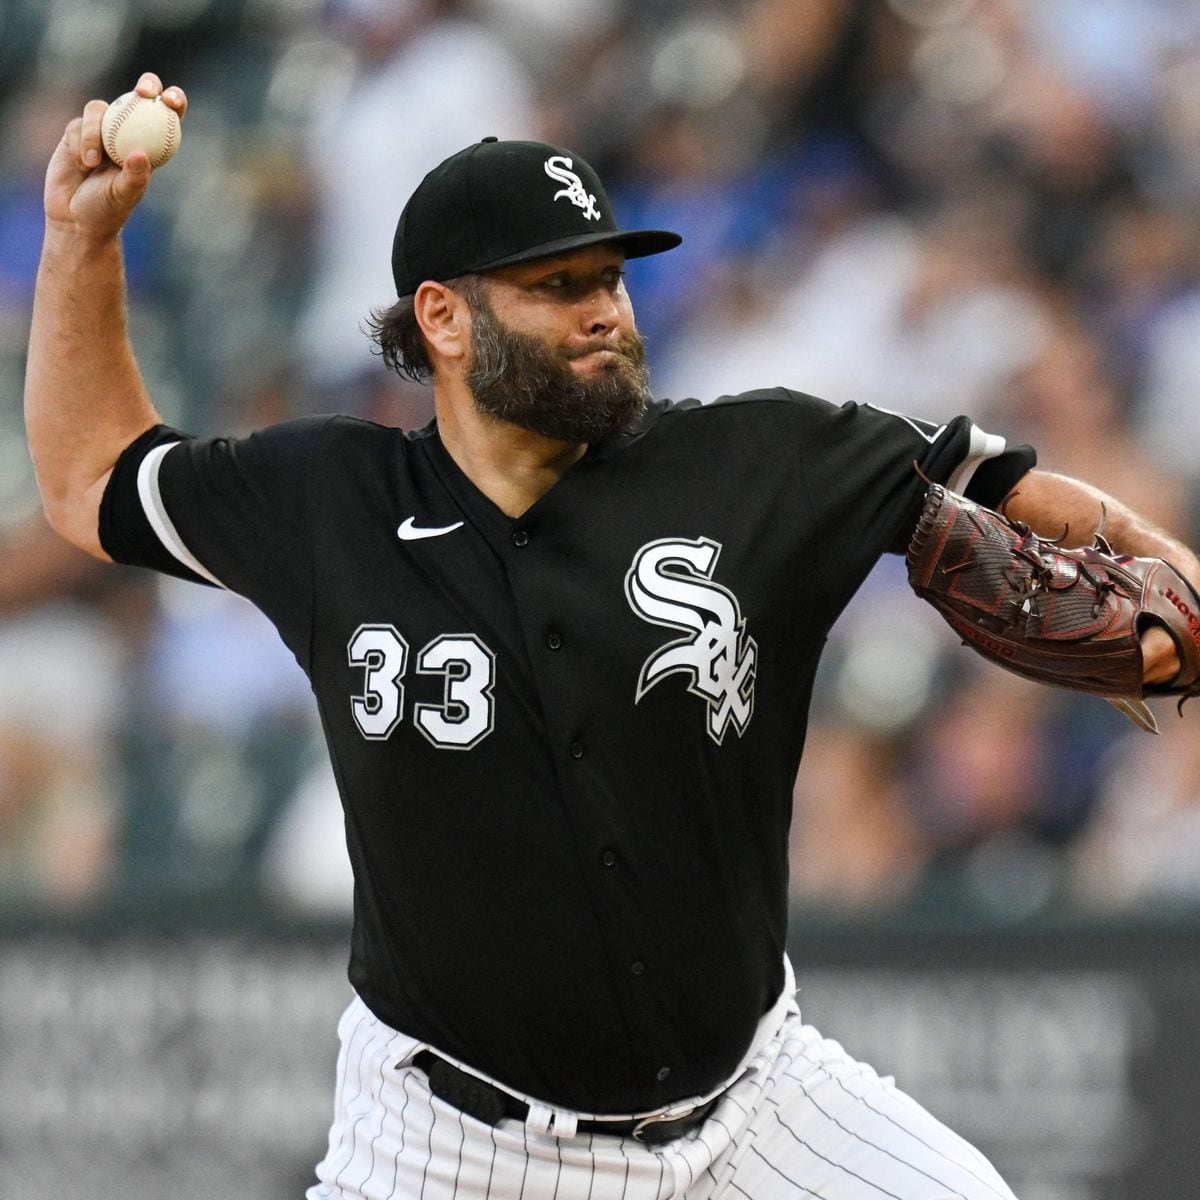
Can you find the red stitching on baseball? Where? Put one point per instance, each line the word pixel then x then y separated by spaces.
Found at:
pixel 169 140
pixel 111 144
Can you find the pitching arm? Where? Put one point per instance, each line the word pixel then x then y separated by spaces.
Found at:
pixel 84 396
pixel 1047 502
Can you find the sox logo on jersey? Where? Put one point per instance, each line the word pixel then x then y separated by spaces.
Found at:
pixel 671 583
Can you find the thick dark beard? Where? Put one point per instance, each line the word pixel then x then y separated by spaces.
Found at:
pixel 515 377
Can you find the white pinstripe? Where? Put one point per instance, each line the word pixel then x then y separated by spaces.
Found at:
pixel 804 1122
pixel 982 1168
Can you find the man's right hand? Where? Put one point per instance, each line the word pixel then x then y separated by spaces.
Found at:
pixel 86 192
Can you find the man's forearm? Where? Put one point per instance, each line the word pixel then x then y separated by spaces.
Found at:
pixel 1056 506
pixel 84 396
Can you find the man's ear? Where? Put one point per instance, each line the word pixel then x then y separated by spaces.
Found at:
pixel 444 318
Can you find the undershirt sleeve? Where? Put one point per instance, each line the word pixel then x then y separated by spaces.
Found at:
pixel 996 477
pixel 974 463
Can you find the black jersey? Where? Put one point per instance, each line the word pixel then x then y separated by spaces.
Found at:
pixel 565 743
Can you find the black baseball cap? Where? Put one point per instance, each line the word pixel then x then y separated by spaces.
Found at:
pixel 496 203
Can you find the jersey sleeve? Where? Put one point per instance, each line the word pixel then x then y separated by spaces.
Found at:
pixel 867 469
pixel 229 512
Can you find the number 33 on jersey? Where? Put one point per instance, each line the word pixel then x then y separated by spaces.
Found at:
pixel 669 583
pixel 463 718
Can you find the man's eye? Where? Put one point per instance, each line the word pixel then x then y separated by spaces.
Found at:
pixel 555 281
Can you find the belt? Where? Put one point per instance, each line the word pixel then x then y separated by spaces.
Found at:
pixel 491 1104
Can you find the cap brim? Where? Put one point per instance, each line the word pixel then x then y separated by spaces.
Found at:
pixel 637 243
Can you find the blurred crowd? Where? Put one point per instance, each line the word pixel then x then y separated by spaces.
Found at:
pixel 935 206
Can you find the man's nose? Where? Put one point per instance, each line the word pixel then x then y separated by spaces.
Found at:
pixel 601 312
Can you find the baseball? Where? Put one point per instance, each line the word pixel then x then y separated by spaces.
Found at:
pixel 132 122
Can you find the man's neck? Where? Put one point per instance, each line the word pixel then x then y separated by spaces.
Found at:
pixel 513 467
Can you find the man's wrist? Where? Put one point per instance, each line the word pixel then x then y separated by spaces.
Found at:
pixel 68 238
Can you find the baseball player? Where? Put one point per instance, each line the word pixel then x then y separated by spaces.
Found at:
pixel 563 641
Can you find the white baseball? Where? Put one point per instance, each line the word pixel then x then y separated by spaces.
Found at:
pixel 132 122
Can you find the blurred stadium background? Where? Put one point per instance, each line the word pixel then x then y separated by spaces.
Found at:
pixel 939 206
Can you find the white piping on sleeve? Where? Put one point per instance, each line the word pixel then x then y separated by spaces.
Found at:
pixel 983 446
pixel 156 512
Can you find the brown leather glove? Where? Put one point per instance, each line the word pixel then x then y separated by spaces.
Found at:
pixel 1068 617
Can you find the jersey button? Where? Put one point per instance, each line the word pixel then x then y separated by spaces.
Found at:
pixel 663 1072
pixel 608 858
pixel 576 749
pixel 554 641
pixel 637 967
pixel 520 537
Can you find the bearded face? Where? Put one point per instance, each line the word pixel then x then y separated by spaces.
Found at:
pixel 516 377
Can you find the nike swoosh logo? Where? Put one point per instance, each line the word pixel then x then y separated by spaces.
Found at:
pixel 408 532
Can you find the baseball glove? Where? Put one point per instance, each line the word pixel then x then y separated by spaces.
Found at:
pixel 1068 617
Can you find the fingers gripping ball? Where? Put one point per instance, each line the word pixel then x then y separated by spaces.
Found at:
pixel 132 122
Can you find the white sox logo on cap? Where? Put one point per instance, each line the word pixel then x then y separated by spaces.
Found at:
pixel 559 167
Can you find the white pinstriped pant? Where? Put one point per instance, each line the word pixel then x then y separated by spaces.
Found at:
pixel 803 1122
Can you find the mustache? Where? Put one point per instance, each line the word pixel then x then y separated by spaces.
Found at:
pixel 626 347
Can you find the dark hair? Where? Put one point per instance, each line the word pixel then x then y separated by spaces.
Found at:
pixel 398 337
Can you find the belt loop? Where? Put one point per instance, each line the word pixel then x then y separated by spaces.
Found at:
pixel 538 1118
pixel 565 1124
pixel 554 1121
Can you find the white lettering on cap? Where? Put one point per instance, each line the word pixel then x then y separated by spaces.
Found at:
pixel 559 167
